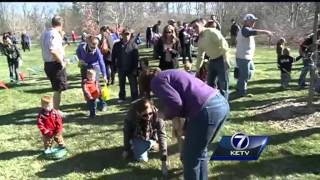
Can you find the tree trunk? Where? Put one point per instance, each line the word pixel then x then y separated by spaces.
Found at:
pixel 315 49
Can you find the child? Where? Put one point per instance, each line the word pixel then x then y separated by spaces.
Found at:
pixel 91 91
pixel 285 63
pixel 13 55
pixel 280 47
pixel 50 124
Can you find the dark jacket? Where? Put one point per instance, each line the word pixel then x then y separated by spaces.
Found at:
pixel 174 63
pixel 12 52
pixel 125 56
pixel 134 128
pixel 156 29
pixel 184 37
pixel 234 29
pixel 285 63
pixel 149 33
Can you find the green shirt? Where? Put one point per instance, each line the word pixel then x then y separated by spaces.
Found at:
pixel 212 42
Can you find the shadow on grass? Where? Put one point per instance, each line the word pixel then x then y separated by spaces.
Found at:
pixel 14 154
pixel 285 137
pixel 29 116
pixel 97 161
pixel 282 166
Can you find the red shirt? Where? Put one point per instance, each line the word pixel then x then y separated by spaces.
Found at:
pixel 91 89
pixel 50 122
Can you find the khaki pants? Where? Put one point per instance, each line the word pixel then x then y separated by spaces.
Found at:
pixel 47 141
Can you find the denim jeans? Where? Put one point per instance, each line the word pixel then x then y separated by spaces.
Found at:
pixel 133 82
pixel 246 70
pixel 304 72
pixel 83 70
pixel 218 74
pixel 200 131
pixel 285 79
pixel 140 148
pixel 92 106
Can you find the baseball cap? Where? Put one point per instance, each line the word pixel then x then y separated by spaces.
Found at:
pixel 171 21
pixel 250 17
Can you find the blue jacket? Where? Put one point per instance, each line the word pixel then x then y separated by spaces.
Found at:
pixel 95 59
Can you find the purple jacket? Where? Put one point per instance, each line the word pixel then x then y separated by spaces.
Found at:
pixel 181 94
pixel 95 59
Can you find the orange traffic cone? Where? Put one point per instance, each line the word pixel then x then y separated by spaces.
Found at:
pixel 3 85
pixel 22 76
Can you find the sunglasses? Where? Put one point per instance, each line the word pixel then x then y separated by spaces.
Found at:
pixel 168 32
pixel 147 114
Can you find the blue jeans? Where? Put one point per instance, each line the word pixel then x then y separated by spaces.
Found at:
pixel 83 71
pixel 141 148
pixel 200 131
pixel 304 72
pixel 217 71
pixel 246 70
pixel 92 106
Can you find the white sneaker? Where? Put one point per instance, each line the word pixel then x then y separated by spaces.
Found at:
pixel 120 101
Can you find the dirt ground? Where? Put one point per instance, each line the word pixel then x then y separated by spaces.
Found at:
pixel 290 114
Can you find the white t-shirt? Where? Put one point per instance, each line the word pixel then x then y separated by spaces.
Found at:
pixel 245 43
pixel 51 40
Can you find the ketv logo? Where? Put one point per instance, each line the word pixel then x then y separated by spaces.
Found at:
pixel 240 147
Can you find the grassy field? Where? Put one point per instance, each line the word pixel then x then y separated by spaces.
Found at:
pixel 95 146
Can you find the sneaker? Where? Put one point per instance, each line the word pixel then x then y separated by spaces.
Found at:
pixel 120 101
pixel 104 109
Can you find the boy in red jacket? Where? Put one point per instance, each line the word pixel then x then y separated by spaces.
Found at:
pixel 50 123
pixel 91 91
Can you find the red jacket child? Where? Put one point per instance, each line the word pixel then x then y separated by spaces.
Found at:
pixel 91 89
pixel 50 122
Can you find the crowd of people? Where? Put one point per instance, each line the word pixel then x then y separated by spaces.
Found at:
pixel 197 101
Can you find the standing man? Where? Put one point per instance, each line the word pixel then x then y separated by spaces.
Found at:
pixel 212 42
pixel 185 41
pixel 156 28
pixel 233 32
pixel 244 52
pixel 125 55
pixel 54 60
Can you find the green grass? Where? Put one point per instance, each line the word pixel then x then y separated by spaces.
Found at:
pixel 95 146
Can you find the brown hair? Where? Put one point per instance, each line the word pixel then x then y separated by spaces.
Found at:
pixel 56 21
pixel 145 80
pixel 142 104
pixel 173 36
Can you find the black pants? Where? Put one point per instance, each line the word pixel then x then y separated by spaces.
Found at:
pixel 186 52
pixel 13 65
pixel 133 82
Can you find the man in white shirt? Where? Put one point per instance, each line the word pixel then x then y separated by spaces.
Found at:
pixel 54 60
